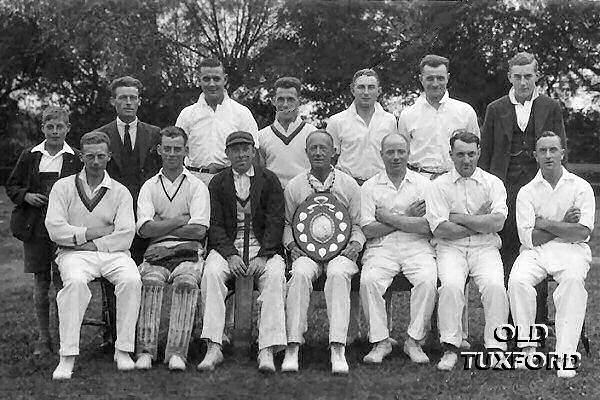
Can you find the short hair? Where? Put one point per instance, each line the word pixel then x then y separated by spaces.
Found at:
pixel 55 112
pixel 365 72
pixel 550 134
pixel 288 82
pixel 128 81
pixel 211 63
pixel 173 132
pixel 389 135
pixel 523 58
pixel 433 60
pixel 320 131
pixel 94 137
pixel 464 136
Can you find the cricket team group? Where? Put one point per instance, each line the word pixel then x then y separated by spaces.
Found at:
pixel 210 199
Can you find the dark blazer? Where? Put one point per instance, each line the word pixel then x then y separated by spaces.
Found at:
pixel 268 211
pixel 25 178
pixel 497 131
pixel 146 140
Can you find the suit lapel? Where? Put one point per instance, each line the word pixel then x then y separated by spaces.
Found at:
pixel 256 186
pixel 507 119
pixel 540 113
pixel 115 144
pixel 142 142
pixel 229 192
pixel 68 166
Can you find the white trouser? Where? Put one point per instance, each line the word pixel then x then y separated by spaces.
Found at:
pixel 77 269
pixel 570 296
pixel 271 285
pixel 484 265
pixel 377 275
pixel 339 273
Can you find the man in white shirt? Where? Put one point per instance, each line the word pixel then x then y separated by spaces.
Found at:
pixel 90 218
pixel 392 219
pixel 210 120
pixel 321 177
pixel 429 122
pixel 358 130
pixel 466 207
pixel 555 217
pixel 282 143
pixel 174 213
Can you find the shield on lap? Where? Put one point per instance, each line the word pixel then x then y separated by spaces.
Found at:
pixel 321 226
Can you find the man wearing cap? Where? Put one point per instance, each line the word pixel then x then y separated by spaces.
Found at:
pixel 244 238
pixel 210 120
pixel 358 130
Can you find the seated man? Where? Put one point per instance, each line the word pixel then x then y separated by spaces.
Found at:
pixel 321 177
pixel 555 217
pixel 174 212
pixel 466 207
pixel 392 219
pixel 90 218
pixel 246 226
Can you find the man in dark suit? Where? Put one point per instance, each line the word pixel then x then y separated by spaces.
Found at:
pixel 511 127
pixel 244 238
pixel 134 158
pixel 132 144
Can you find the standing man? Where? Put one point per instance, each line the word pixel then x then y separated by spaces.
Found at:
pixel 512 125
pixel 210 120
pixel 429 122
pixel 321 177
pixel 358 130
pixel 392 219
pixel 282 143
pixel 132 146
pixel 246 227
pixel 90 218
pixel 174 212
pixel 465 209
pixel 555 217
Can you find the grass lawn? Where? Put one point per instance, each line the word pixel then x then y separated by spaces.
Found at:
pixel 23 376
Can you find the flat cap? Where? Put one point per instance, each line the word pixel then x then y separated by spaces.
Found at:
pixel 239 137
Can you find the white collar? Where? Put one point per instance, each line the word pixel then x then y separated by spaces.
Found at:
pixel 423 98
pixel 384 178
pixel 248 173
pixel 513 99
pixel 477 175
pixel 566 175
pixel 377 106
pixel 42 149
pixel 202 99
pixel 106 180
pixel 132 123
pixel 295 123
pixel 184 172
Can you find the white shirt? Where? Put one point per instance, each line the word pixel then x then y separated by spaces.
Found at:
pixel 452 193
pixel 242 182
pixel 539 199
pixel 106 182
pixel 286 161
pixel 132 130
pixel 429 130
pixel 189 195
pixel 379 191
pixel 523 111
pixel 359 144
pixel 49 163
pixel 207 129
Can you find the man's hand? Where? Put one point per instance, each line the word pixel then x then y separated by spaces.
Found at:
pixel 257 265
pixel 296 253
pixel 486 208
pixel 35 199
pixel 416 209
pixel 87 246
pixel 236 265
pixel 98 232
pixel 572 215
pixel 351 251
pixel 384 215
pixel 184 219
pixel 540 223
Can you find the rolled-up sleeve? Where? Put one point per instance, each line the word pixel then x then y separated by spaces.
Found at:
pixel 59 229
pixel 124 223
pixel 525 217
pixel 357 234
pixel 200 206
pixel 145 206
pixel 498 197
pixel 586 203
pixel 438 208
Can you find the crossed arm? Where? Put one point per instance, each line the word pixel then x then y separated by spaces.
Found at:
pixel 412 221
pixel 568 229
pixel 177 226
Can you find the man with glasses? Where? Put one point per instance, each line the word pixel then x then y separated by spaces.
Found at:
pixel 90 218
pixel 210 120
pixel 358 130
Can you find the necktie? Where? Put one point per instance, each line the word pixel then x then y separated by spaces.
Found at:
pixel 127 140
